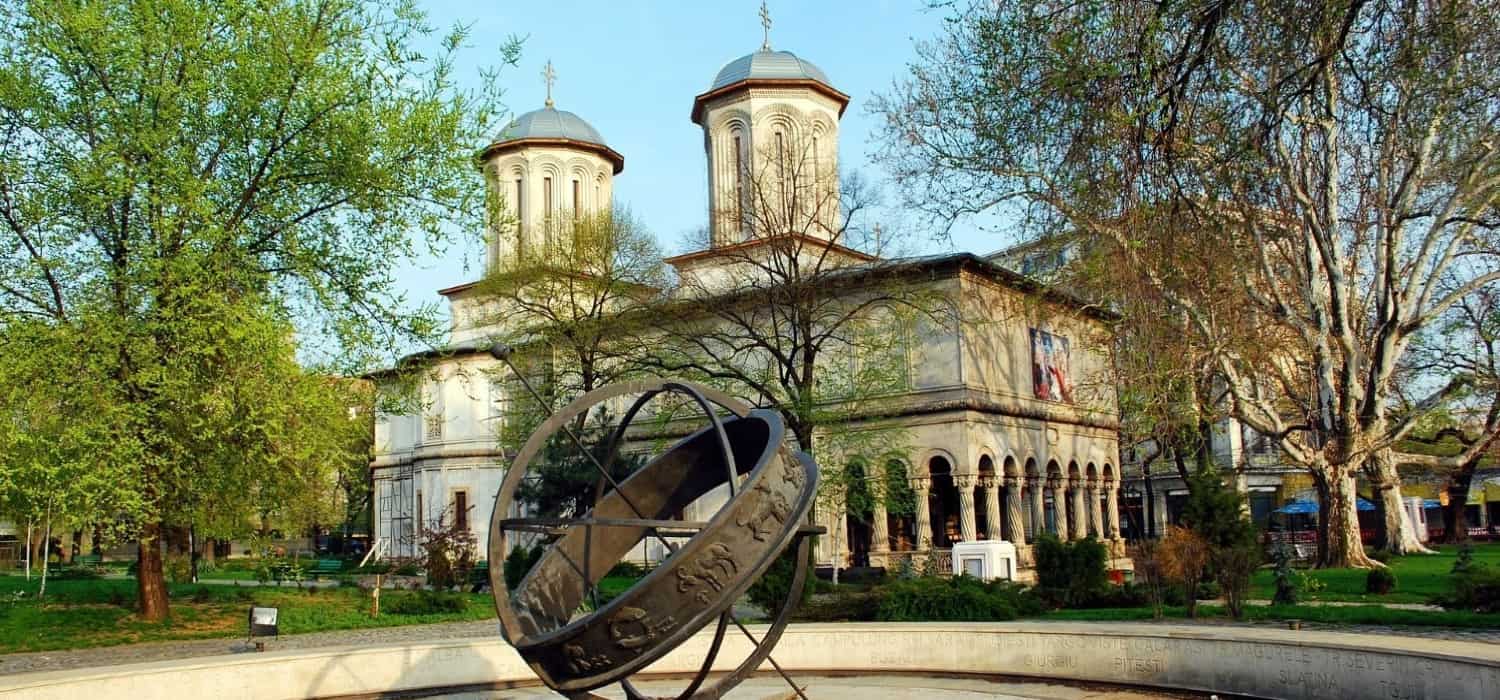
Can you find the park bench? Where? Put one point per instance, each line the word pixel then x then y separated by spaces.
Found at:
pixel 88 561
pixel 479 578
pixel 326 567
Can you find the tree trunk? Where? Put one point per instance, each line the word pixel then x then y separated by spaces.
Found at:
pixel 47 542
pixel 151 585
pixel 1400 533
pixel 1343 549
pixel 28 550
pixel 77 548
pixel 1456 514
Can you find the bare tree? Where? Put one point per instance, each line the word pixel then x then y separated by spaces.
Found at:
pixel 1344 154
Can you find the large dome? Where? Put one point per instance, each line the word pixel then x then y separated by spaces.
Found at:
pixel 768 65
pixel 550 123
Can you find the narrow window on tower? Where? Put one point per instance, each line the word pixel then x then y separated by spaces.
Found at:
pixel 576 202
pixel 739 186
pixel 520 237
pixel 547 206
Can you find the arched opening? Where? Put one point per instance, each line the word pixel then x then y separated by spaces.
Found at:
pixel 901 522
pixel 1031 491
pixel 859 511
pixel 982 525
pixel 942 503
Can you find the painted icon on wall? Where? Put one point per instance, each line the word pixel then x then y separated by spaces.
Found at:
pixel 1050 377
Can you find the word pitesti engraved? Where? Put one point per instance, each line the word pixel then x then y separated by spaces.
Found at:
pixel 633 628
pixel 773 507
pixel 580 662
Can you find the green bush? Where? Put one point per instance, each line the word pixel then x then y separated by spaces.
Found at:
pixel 1380 555
pixel 773 588
pixel 1464 562
pixel 1380 581
pixel 519 562
pixel 843 606
pixel 75 573
pixel 425 603
pixel 1070 574
pixel 931 599
pixel 627 569
pixel 1477 590
pixel 407 569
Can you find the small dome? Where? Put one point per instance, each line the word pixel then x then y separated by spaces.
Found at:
pixel 550 123
pixel 768 65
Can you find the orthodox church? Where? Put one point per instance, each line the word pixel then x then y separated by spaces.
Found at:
pixel 1009 439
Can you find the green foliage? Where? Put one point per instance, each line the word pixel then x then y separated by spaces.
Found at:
pixel 1476 590
pixel 423 602
pixel 1216 512
pixel 1286 577
pixel 1464 562
pixel 956 599
pixel 519 562
pixel 1380 581
pixel 183 179
pixel 1070 574
pixel 775 586
pixel 179 568
pixel 1380 555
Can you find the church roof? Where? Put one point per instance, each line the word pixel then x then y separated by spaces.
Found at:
pixel 550 126
pixel 550 123
pixel 768 65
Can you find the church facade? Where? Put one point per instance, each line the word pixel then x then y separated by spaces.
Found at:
pixel 1009 431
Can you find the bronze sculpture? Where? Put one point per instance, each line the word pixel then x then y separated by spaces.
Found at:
pixel 575 648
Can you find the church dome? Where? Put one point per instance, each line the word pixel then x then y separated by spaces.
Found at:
pixel 768 65
pixel 550 123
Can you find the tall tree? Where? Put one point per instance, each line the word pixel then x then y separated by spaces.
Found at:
pixel 166 165
pixel 1344 153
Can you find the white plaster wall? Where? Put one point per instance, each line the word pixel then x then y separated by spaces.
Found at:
pixel 533 165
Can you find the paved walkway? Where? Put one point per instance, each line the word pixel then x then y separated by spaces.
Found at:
pixel 162 651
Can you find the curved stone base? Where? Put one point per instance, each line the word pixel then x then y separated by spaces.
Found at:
pixel 1265 663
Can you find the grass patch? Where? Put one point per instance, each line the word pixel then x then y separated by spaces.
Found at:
pixel 80 614
pixel 1343 615
pixel 1419 577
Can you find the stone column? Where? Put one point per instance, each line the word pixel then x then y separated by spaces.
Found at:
pixel 1159 509
pixel 1080 518
pixel 1016 530
pixel 967 530
pixel 880 536
pixel 1096 513
pixel 1060 509
pixel 1112 510
pixel 1038 506
pixel 919 486
pixel 992 519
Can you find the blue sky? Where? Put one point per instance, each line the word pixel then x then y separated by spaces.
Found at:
pixel 632 69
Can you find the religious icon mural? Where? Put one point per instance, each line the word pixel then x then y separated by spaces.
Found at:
pixel 1050 375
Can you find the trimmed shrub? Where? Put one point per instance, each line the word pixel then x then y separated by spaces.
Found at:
pixel 842 606
pixel 1477 589
pixel 1380 581
pixel 1070 574
pixel 773 588
pixel 425 603
pixel 959 599
pixel 519 562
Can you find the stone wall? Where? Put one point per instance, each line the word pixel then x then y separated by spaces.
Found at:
pixel 1266 663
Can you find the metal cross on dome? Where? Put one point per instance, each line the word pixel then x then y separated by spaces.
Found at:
pixel 765 23
pixel 549 76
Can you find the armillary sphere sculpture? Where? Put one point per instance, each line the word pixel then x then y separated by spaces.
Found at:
pixel 574 648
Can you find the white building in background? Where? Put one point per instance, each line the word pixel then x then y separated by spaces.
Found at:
pixel 1008 438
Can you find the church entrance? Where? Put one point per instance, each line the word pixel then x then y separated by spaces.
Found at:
pixel 943 504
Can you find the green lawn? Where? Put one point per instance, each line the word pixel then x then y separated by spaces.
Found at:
pixel 93 613
pixel 1418 578
pixel 1347 615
